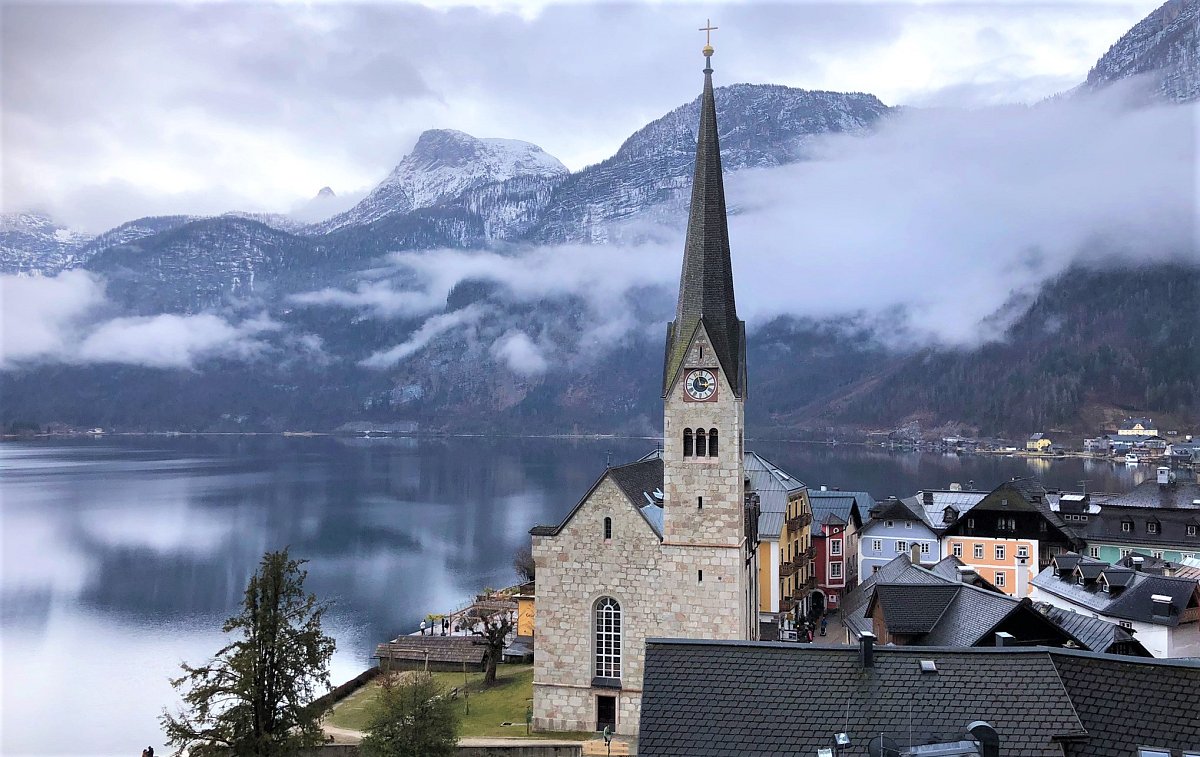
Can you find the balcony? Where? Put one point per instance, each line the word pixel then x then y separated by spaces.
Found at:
pixel 811 552
pixel 797 522
pixel 788 569
pixel 787 605
pixel 807 585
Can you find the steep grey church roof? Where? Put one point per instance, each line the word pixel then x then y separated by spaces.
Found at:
pixel 706 281
pixel 705 698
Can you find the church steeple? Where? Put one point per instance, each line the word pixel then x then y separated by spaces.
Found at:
pixel 706 281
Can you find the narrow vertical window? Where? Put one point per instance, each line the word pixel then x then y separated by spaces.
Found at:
pixel 701 450
pixel 608 638
pixel 699 503
pixel 687 442
pixel 608 528
pixel 700 575
pixel 712 442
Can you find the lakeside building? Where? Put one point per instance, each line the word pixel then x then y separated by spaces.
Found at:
pixel 894 527
pixel 1038 443
pixel 622 567
pixel 1137 427
pixel 1158 518
pixel 1163 611
pixel 711 698
pixel 836 523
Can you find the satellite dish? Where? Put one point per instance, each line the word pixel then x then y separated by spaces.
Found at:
pixel 882 746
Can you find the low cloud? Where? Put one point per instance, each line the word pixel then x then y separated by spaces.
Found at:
pixel 516 350
pixel 432 328
pixel 66 319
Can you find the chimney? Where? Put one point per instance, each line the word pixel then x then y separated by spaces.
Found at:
pixel 966 574
pixel 824 488
pixel 915 554
pixel 1137 561
pixel 989 740
pixel 1022 587
pixel 1004 639
pixel 955 486
pixel 866 648
pixel 1169 570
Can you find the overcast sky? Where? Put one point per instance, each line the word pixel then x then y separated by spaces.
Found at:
pixel 113 111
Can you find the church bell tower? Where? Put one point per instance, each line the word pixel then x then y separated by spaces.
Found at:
pixel 704 391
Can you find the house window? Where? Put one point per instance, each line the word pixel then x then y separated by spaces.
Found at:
pixel 835 546
pixel 701 447
pixel 957 549
pixel 970 523
pixel 901 546
pixel 908 524
pixel 1191 530
pixel 1023 551
pixel 712 442
pixel 1127 625
pixel 1000 579
pixel 607 529
pixel 700 576
pixel 1151 527
pixel 687 442
pixel 1143 751
pixel 1126 552
pixel 874 569
pixel 1158 555
pixel 999 551
pixel 835 570
pixel 1093 551
pixel 699 503
pixel 978 551
pixel 608 638
pixel 1126 526
pixel 890 523
pixel 1041 526
pixel 924 547
pixel 876 545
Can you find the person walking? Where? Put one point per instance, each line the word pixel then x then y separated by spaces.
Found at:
pixel 824 623
pixel 422 628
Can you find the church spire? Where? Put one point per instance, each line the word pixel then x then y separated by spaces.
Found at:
pixel 706 282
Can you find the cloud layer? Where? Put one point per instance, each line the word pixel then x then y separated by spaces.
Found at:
pixel 63 320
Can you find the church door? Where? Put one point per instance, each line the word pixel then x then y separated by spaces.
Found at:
pixel 606 713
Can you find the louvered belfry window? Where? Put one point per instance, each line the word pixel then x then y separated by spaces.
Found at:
pixel 608 638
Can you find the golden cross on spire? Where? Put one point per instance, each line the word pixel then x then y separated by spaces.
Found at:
pixel 708 29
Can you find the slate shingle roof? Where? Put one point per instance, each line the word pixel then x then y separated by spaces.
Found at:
pixel 896 570
pixel 1181 494
pixel 638 480
pixel 752 698
pixel 1131 603
pixel 841 506
pixel 466 649
pixel 912 608
pixel 1097 635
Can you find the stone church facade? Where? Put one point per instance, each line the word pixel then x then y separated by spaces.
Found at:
pixel 665 546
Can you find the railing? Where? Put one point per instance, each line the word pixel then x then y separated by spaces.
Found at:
pixel 811 552
pixel 808 584
pixel 797 522
pixel 787 604
pixel 788 569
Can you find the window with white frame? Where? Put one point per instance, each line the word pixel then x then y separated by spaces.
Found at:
pixel 1126 526
pixel 924 547
pixel 835 570
pixel 1157 554
pixel 876 545
pixel 978 552
pixel 1152 527
pixel 608 638
pixel 957 549
pixel 835 546
pixel 1022 551
pixel 1093 551
pixel 908 524
pixel 1000 579
pixel 1126 552
pixel 1191 530
pixel 901 546
pixel 890 523
pixel 999 551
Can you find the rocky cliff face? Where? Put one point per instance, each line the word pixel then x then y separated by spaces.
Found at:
pixel 33 244
pixel 1164 47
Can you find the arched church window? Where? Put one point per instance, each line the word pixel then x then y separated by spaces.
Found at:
pixel 712 442
pixel 608 528
pixel 608 638
pixel 701 448
pixel 687 442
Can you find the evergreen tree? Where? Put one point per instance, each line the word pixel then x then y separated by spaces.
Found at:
pixel 253 697
pixel 411 717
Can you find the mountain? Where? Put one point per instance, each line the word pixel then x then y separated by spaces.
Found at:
pixel 442 165
pixel 33 244
pixel 1164 47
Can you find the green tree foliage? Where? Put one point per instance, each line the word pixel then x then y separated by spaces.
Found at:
pixel 412 717
pixel 253 697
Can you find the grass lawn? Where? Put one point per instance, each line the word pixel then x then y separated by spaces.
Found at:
pixel 483 710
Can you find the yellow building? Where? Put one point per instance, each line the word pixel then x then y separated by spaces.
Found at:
pixel 775 490
pixel 525 609
pixel 1037 443
pixel 797 576
pixel 1137 427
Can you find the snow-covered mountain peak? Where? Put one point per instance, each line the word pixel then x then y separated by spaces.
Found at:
pixel 443 165
pixel 34 243
pixel 1164 46
pixel 325 192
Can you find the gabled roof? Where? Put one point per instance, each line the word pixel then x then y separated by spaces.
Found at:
pixel 1179 495
pixel 771 483
pixel 638 481
pixel 897 570
pixel 709 698
pixel 1097 634
pixel 933 503
pixel 896 509
pixel 912 608
pixel 839 507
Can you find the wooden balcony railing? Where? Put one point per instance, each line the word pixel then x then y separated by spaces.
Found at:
pixel 787 604
pixel 797 522
pixel 788 569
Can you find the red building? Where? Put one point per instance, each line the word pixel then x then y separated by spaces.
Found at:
pixel 836 524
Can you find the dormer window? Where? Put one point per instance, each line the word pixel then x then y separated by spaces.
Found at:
pixel 1126 526
pixel 890 523
pixel 1152 527
pixel 1191 530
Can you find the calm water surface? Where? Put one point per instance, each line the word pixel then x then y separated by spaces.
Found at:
pixel 122 556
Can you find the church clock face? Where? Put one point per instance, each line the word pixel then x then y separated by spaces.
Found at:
pixel 701 385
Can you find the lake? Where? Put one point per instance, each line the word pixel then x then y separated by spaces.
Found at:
pixel 123 555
